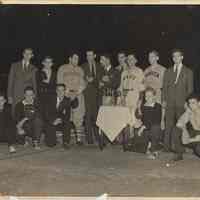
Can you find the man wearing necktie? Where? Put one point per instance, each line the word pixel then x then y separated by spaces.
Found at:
pixel 21 75
pixel 177 85
pixel 92 74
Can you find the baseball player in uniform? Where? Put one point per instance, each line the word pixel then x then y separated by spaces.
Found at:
pixel 73 77
pixel 132 84
pixel 154 74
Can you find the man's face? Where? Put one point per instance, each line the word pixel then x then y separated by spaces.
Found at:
pixel 48 63
pixel 121 58
pixel 103 61
pixel 60 90
pixel 131 60
pixel 177 57
pixel 29 96
pixel 193 104
pixel 90 56
pixel 28 54
pixel 2 101
pixel 74 60
pixel 153 58
pixel 149 96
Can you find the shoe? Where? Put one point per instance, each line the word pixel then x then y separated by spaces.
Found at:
pixel 12 149
pixel 79 143
pixel 26 143
pixel 151 156
pixel 36 145
pixel 66 146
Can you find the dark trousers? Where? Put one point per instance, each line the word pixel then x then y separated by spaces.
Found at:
pixel 33 128
pixel 50 133
pixel 172 114
pixel 8 133
pixel 154 136
pixel 140 143
pixel 178 147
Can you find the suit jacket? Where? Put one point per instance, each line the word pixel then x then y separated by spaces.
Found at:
pixel 19 79
pixel 63 111
pixel 114 78
pixel 176 94
pixel 91 92
pixel 46 88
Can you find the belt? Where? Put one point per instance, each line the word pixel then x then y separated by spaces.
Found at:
pixel 126 90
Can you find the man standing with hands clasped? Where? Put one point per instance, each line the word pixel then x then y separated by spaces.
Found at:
pixel 177 85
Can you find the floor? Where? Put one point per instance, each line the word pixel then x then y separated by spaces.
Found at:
pixel 88 171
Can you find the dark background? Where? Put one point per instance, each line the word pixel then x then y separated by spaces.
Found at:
pixel 57 29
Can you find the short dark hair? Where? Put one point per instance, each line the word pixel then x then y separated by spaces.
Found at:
pixel 193 96
pixel 29 88
pixel 154 52
pixel 47 57
pixel 121 52
pixel 61 85
pixel 178 50
pixel 150 89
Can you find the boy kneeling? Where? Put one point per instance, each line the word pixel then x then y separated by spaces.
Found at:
pixel 28 118
pixel 187 130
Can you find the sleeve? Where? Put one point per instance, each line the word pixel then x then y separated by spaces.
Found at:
pixel 35 81
pixel 11 79
pixel 158 113
pixel 116 80
pixel 74 103
pixel 19 112
pixel 183 120
pixel 142 85
pixel 164 90
pixel 82 81
pixel 60 75
pixel 190 82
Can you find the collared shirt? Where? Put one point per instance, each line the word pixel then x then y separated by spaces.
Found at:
pixel 179 67
pixel 58 102
pixel 93 67
pixel 108 68
pixel 25 64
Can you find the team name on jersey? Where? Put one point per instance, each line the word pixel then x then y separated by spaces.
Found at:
pixel 129 76
pixel 153 73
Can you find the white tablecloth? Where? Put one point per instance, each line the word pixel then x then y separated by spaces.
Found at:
pixel 112 119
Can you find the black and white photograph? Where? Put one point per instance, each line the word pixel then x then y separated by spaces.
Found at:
pixel 99 101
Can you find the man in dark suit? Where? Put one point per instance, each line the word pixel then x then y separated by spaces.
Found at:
pixel 110 81
pixel 177 85
pixel 93 74
pixel 22 74
pixel 58 116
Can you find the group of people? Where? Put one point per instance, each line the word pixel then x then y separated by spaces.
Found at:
pixel 45 101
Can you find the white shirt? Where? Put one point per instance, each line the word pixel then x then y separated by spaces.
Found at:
pixel 25 64
pixel 178 72
pixel 108 68
pixel 58 102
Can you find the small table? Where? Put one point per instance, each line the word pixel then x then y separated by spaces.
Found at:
pixel 111 120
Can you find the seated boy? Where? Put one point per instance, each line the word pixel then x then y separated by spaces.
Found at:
pixel 187 130
pixel 58 116
pixel 7 126
pixel 28 118
pixel 148 130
